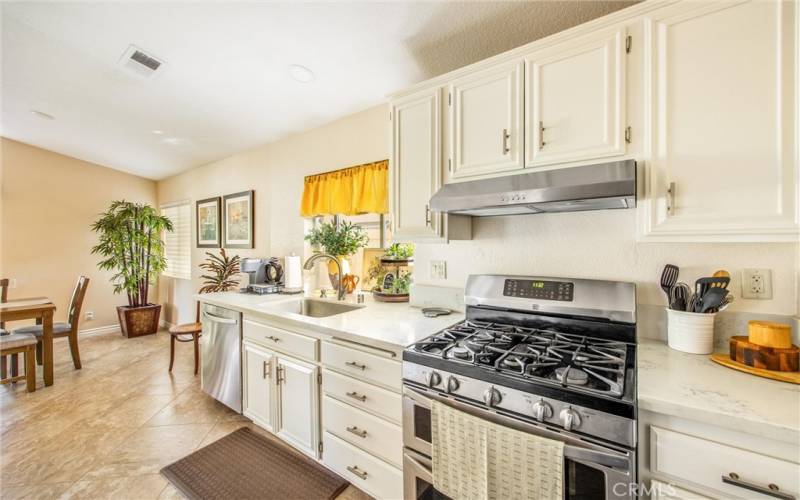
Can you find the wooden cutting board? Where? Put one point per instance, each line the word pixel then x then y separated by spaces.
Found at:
pixel 725 360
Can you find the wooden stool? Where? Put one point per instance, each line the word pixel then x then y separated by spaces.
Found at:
pixel 189 332
pixel 20 343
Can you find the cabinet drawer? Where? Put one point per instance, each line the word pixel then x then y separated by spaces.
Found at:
pixel 366 472
pixel 690 460
pixel 281 340
pixel 363 365
pixel 363 395
pixel 363 430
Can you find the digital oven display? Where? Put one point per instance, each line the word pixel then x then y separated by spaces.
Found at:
pixel 537 289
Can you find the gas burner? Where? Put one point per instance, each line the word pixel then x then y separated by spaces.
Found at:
pixel 461 352
pixel 574 376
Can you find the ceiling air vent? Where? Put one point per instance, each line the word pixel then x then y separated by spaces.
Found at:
pixel 139 63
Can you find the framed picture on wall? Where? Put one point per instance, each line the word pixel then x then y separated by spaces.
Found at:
pixel 238 221
pixel 209 223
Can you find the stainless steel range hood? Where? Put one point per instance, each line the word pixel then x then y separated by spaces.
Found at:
pixel 592 187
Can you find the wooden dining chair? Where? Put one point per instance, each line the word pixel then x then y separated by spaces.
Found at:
pixel 187 332
pixel 68 329
pixel 3 361
pixel 13 345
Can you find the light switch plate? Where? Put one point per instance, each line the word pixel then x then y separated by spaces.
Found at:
pixel 438 269
pixel 757 284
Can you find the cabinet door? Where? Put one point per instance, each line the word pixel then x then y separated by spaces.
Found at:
pixel 574 100
pixel 721 109
pixel 259 396
pixel 486 122
pixel 416 164
pixel 299 404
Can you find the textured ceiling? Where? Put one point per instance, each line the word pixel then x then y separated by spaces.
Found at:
pixel 225 86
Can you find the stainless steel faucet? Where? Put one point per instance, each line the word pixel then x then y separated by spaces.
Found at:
pixel 310 264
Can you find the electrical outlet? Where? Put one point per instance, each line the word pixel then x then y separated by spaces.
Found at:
pixel 757 284
pixel 438 269
pixel 89 315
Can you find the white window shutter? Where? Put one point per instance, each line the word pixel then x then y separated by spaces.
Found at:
pixel 178 244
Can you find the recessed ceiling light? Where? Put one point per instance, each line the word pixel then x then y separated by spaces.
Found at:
pixel 301 73
pixel 42 115
pixel 158 132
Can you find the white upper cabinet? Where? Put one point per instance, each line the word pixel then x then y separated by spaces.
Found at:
pixel 299 403
pixel 486 122
pixel 574 99
pixel 416 164
pixel 721 115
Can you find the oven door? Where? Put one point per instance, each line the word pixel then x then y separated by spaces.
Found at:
pixel 591 470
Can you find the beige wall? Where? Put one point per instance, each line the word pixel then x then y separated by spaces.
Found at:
pixel 275 171
pixel 48 203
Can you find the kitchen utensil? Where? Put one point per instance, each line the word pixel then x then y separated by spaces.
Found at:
pixel 767 358
pixel 721 274
pixel 702 285
pixel 712 299
pixel 725 303
pixel 770 334
pixel 679 296
pixel 669 276
pixel 725 360
pixel 432 312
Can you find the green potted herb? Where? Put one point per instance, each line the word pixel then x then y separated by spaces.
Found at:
pixel 393 276
pixel 130 244
pixel 342 241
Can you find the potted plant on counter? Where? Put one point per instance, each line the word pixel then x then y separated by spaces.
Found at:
pixel 130 244
pixel 392 274
pixel 342 241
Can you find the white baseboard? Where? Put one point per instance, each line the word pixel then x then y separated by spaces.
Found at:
pixel 165 324
pixel 99 330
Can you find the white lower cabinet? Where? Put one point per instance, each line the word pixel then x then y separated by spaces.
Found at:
pixel 725 471
pixel 258 384
pixel 667 491
pixel 363 470
pixel 375 435
pixel 298 397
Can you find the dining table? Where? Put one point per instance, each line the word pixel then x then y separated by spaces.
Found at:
pixel 40 309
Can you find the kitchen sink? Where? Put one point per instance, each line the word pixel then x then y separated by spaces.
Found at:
pixel 314 308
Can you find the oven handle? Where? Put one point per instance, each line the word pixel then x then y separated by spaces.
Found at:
pixel 609 459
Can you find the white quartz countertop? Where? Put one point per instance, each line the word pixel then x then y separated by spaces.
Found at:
pixel 381 324
pixel 692 386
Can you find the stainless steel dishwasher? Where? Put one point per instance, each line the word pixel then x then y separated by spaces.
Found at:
pixel 221 344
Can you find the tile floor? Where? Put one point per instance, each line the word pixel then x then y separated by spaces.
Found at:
pixel 105 431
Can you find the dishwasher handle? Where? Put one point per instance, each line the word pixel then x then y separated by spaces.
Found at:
pixel 218 319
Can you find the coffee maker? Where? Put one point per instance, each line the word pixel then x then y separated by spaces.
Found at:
pixel 265 275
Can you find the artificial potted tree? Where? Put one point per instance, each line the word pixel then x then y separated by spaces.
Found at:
pixel 341 240
pixel 130 244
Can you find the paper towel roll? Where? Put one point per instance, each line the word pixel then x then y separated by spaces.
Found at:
pixel 293 273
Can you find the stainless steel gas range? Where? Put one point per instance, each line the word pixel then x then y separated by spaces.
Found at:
pixel 550 356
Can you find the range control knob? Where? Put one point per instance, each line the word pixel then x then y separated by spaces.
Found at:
pixel 492 397
pixel 434 379
pixel 570 419
pixel 452 384
pixel 542 410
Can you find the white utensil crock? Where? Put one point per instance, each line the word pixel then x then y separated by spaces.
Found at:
pixel 690 332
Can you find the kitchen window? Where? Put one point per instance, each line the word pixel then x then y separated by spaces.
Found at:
pixel 177 244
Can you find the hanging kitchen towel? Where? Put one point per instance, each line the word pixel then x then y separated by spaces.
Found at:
pixel 476 459
pixel 459 453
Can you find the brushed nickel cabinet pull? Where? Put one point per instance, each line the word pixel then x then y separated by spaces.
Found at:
pixel 356 365
pixel 427 215
pixel 273 338
pixel 267 366
pixel 770 490
pixel 506 137
pixel 279 375
pixel 541 135
pixel 357 396
pixel 354 430
pixel 358 472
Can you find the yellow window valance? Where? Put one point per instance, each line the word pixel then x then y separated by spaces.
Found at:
pixel 350 191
